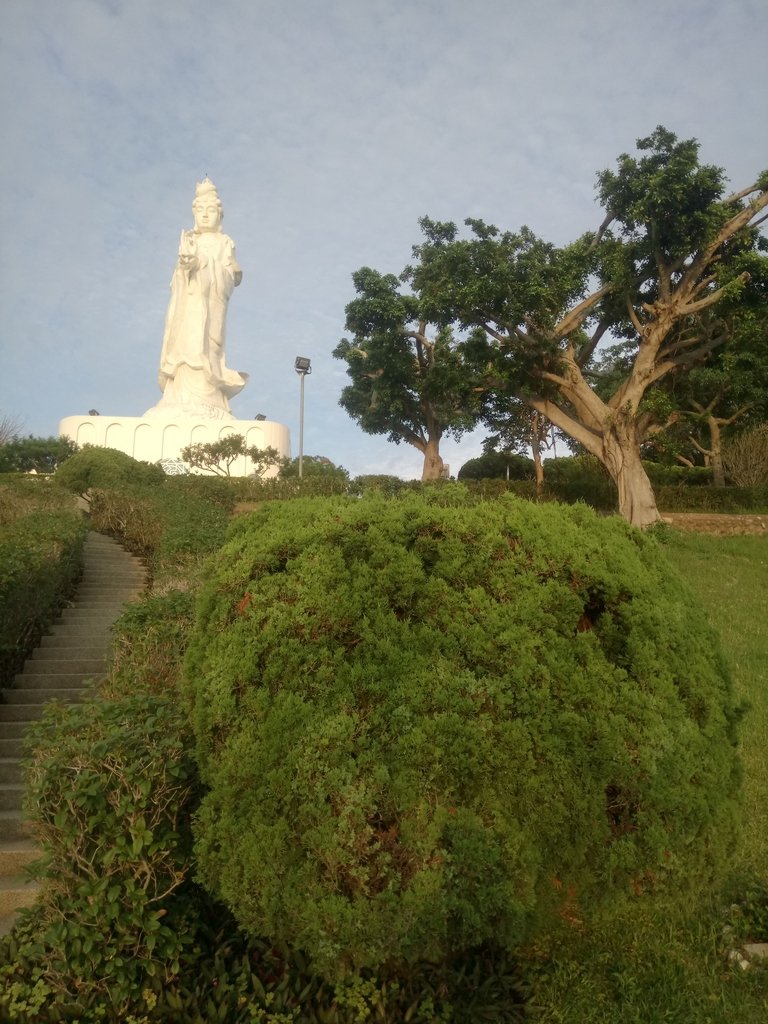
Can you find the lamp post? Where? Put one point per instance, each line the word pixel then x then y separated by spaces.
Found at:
pixel 302 366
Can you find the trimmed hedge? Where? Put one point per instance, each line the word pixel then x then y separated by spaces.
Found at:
pixel 427 724
pixel 104 467
pixel 41 560
pixel 725 500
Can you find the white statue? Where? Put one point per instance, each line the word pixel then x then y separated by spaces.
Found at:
pixel 193 377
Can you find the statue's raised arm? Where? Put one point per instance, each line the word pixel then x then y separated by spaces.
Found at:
pixel 193 376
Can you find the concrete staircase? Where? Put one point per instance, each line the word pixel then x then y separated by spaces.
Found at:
pixel 68 661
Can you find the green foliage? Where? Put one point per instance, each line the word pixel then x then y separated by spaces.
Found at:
pixel 580 478
pixel 109 790
pixel 315 485
pixel 38 454
pixel 723 500
pixel 382 483
pixel 407 382
pixel 313 466
pixel 217 456
pixel 149 642
pixel 174 525
pixel 427 724
pixel 662 475
pixel 525 319
pixel 503 465
pixel 745 457
pixel 105 467
pixel 41 559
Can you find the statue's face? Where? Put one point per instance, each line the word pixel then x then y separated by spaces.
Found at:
pixel 207 214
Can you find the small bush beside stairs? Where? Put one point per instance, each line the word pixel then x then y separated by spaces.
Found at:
pixel 70 657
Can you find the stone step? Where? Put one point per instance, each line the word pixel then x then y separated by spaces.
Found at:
pixel 88 596
pixel 12 826
pixel 10 770
pixel 16 855
pixel 11 747
pixel 71 638
pixel 65 652
pixel 11 795
pixel 101 617
pixel 12 728
pixel 15 893
pixel 35 697
pixel 75 625
pixel 74 663
pixel 45 680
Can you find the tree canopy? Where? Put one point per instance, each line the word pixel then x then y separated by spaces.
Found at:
pixel 526 319
pixel 409 381
pixel 218 456
pixel 34 454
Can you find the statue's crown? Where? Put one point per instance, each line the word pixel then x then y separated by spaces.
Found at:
pixel 205 189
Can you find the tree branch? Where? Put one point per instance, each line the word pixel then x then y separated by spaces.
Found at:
pixel 587 351
pixel 574 318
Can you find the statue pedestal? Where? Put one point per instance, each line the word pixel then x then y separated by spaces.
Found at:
pixel 152 439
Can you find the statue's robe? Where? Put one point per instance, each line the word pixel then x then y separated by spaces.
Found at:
pixel 193 377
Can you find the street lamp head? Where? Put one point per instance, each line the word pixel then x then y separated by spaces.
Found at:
pixel 260 417
pixel 302 365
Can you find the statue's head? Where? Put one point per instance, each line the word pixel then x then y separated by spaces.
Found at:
pixel 207 207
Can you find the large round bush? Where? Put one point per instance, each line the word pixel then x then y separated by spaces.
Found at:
pixel 428 723
pixel 104 467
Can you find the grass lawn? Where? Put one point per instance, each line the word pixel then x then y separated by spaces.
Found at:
pixel 730 575
pixel 647 967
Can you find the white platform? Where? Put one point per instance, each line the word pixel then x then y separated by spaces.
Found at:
pixel 153 439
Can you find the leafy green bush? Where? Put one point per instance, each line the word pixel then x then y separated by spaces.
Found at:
pixel 498 465
pixel 662 475
pixel 104 467
pixel 149 642
pixel 173 527
pixel 110 785
pixel 745 457
pixel 428 724
pixel 725 500
pixel 381 483
pixel 41 560
pixel 581 478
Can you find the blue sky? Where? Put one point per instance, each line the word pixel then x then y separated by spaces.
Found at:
pixel 329 128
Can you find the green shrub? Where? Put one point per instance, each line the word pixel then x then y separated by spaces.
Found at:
pixel 381 483
pixel 41 560
pixel 109 792
pixel 581 478
pixel 173 527
pixel 662 475
pixel 745 457
pixel 104 467
pixel 498 465
pixel 148 644
pixel 723 500
pixel 428 724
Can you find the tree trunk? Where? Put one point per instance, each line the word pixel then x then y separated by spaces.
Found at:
pixel 536 440
pixel 716 451
pixel 538 468
pixel 433 464
pixel 621 457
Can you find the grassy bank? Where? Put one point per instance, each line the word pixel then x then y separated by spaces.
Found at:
pixel 730 575
pixel 651 967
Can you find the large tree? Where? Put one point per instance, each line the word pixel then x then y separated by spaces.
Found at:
pixel 671 246
pixel 408 381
